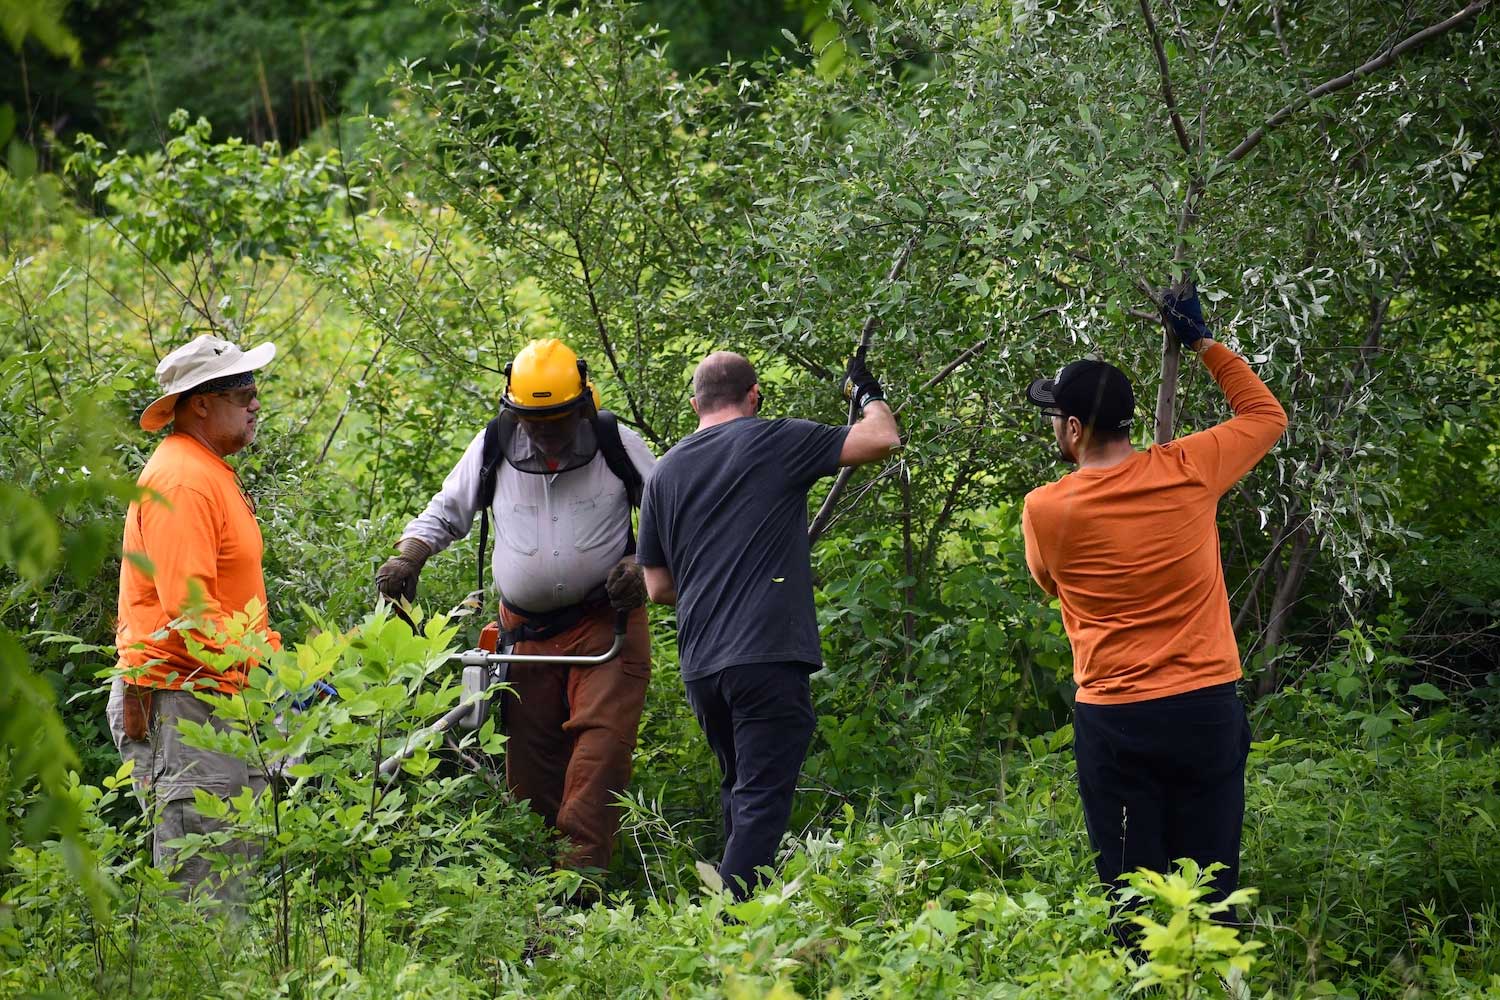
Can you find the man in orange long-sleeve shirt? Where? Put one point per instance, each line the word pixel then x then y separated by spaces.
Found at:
pixel 1129 545
pixel 192 561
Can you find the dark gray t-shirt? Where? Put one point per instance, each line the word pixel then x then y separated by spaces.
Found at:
pixel 726 512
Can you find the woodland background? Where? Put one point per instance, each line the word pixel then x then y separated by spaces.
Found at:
pixel 400 195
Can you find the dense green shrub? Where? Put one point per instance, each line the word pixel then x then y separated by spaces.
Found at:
pixel 582 184
pixel 1375 860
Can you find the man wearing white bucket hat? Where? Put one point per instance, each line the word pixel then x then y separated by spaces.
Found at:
pixel 192 560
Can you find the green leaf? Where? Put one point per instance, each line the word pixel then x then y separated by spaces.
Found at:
pixel 1427 692
pixel 29 539
pixel 21 159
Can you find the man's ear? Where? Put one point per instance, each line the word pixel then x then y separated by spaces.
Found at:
pixel 694 401
pixel 188 405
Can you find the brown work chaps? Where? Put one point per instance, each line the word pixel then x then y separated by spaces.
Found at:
pixel 572 730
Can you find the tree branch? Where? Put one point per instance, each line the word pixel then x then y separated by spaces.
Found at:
pixel 1353 76
pixel 1166 395
pixel 948 369
pixel 609 347
pixel 1166 79
pixel 825 512
pixel 961 478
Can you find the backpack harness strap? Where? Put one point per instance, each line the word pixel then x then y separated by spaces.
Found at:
pixel 498 434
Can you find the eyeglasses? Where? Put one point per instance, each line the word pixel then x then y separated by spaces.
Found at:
pixel 239 397
pixel 1052 411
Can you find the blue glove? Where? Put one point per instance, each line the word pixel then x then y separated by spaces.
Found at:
pixel 319 690
pixel 1184 315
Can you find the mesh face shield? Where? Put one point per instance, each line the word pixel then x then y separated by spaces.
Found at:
pixel 546 447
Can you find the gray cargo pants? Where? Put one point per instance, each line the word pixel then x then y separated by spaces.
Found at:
pixel 168 772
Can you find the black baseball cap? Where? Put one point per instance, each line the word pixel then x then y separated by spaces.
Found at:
pixel 1095 392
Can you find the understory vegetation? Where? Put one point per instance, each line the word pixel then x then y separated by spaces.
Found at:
pixel 1002 188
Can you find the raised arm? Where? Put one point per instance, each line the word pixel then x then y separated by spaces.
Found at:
pixel 875 436
pixel 1222 455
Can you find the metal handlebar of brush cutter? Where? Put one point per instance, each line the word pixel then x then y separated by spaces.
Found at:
pixel 482 671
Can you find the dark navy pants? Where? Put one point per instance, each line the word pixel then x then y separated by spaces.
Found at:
pixel 759 721
pixel 1164 779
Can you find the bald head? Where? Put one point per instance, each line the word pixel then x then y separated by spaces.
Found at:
pixel 722 380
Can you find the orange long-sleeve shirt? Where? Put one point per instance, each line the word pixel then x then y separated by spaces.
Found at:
pixel 1132 551
pixel 198 526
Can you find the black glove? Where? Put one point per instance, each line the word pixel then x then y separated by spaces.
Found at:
pixel 626 585
pixel 1184 314
pixel 859 384
pixel 397 577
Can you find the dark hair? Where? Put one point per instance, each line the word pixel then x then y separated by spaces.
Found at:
pixel 1099 435
pixel 224 383
pixel 722 379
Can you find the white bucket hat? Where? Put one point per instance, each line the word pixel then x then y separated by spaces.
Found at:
pixel 201 360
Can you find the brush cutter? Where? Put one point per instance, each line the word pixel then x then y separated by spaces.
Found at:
pixel 483 668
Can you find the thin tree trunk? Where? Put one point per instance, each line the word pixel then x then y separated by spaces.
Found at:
pixel 866 334
pixel 909 590
pixel 1289 584
pixel 1287 593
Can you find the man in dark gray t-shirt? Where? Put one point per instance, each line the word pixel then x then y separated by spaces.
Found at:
pixel 723 535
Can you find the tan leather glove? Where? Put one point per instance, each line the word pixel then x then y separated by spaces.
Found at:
pixel 626 585
pixel 397 578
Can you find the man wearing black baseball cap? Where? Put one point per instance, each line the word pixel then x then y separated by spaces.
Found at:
pixel 1128 543
pixel 1099 399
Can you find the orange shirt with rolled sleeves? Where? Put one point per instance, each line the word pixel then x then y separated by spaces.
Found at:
pixel 196 531
pixel 1131 551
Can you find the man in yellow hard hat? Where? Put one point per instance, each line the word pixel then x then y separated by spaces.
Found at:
pixel 559 476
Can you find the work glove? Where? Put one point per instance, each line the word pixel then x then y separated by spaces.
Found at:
pixel 1184 314
pixel 303 700
pixel 296 704
pixel 626 585
pixel 859 384
pixel 397 578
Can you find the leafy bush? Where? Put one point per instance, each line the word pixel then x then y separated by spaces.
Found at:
pixel 580 184
pixel 430 887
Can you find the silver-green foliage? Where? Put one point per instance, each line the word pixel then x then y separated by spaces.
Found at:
pixel 1025 154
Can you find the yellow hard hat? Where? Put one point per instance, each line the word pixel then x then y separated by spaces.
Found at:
pixel 547 378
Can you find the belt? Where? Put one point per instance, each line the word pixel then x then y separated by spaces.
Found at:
pixel 539 626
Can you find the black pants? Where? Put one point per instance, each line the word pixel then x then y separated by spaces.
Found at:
pixel 1164 779
pixel 759 720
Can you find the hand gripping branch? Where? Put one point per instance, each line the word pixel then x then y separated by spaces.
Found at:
pixel 866 334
